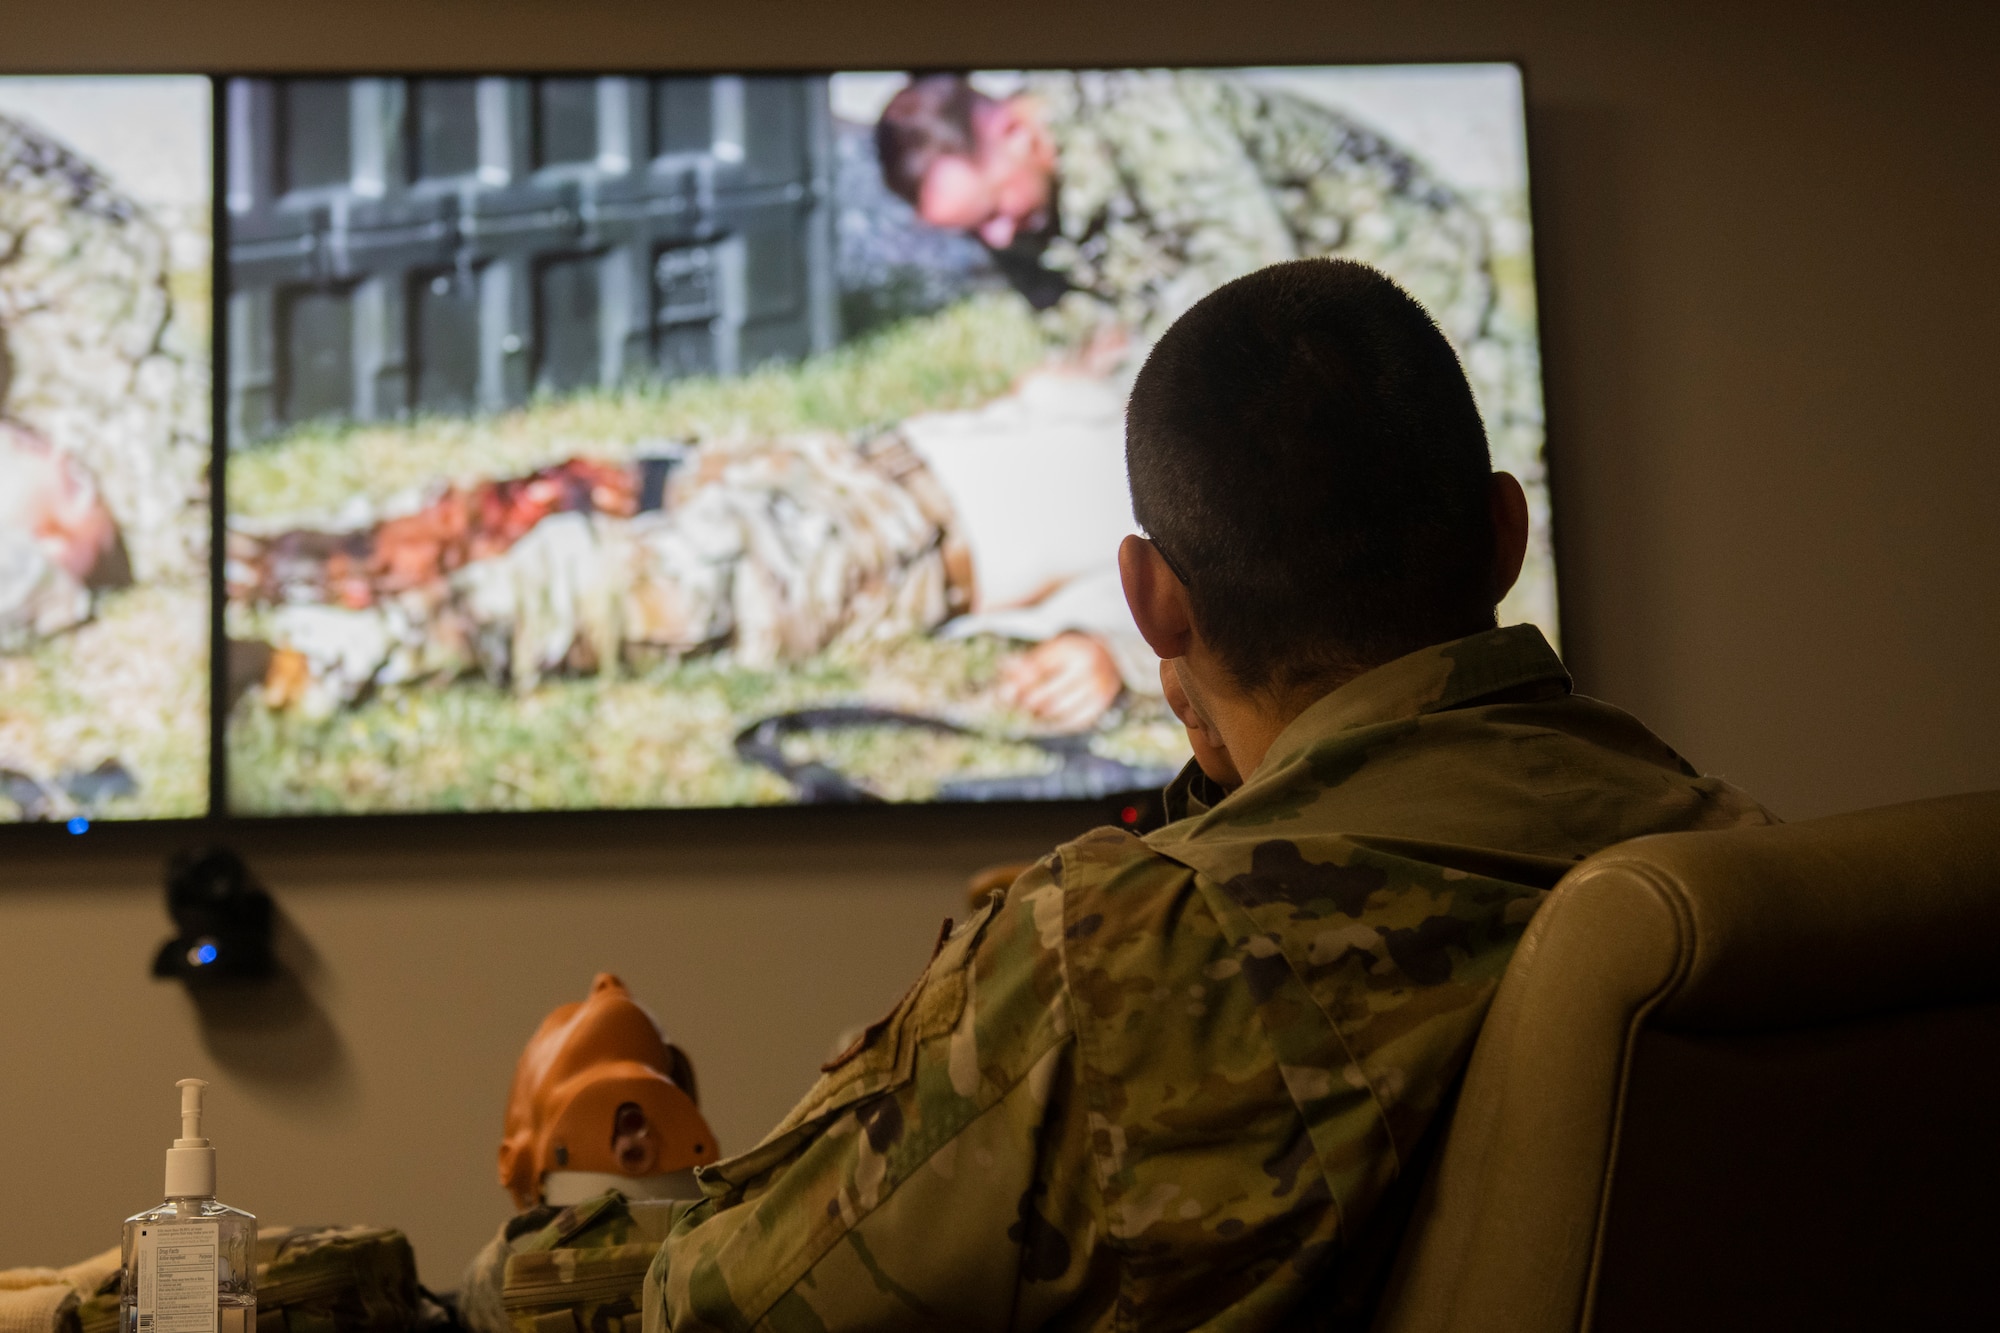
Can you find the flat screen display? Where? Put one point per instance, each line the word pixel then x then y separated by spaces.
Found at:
pixel 105 257
pixel 715 440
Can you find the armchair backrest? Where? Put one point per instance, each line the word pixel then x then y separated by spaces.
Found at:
pixel 1742 1079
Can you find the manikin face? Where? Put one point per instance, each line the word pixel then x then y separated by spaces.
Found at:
pixel 998 192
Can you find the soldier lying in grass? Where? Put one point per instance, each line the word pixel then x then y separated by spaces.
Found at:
pixel 772 548
pixel 1191 1079
pixel 998 520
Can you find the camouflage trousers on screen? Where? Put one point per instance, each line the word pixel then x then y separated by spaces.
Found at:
pixel 774 549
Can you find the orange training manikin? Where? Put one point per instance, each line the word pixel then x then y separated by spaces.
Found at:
pixel 602 1101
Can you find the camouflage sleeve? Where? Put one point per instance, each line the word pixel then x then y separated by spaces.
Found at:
pixel 937 1175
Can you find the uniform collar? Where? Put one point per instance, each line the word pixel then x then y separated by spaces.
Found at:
pixel 1430 680
pixel 1437 679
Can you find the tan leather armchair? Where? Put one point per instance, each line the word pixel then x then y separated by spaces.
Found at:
pixel 1738 1080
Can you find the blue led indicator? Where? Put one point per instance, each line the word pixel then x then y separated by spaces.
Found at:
pixel 204 954
pixel 79 825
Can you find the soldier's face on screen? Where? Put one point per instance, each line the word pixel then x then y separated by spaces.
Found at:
pixel 1001 190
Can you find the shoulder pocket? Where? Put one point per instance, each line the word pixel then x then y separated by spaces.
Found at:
pixel 882 1059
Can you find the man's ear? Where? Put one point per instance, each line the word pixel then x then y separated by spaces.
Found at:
pixel 1157 598
pixel 1510 531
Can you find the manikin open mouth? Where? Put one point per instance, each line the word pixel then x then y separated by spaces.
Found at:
pixel 632 1143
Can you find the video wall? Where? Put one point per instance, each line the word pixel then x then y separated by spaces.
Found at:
pixel 654 441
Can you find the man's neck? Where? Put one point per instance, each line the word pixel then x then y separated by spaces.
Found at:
pixel 1247 721
pixel 1248 732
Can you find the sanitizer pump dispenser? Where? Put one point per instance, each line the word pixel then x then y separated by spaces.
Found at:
pixel 191 1263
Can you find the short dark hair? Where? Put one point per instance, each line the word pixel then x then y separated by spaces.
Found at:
pixel 1304 448
pixel 929 118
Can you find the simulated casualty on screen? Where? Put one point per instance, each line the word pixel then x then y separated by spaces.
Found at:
pixel 715 440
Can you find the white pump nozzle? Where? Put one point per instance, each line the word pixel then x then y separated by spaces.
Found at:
pixel 191 1161
pixel 191 1090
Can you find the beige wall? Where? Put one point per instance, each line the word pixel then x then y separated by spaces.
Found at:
pixel 1771 305
pixel 369 1084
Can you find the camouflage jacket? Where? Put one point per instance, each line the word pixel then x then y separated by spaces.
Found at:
pixel 1170 183
pixel 1173 1081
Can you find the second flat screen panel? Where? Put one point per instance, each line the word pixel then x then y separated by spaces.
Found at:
pixel 696 441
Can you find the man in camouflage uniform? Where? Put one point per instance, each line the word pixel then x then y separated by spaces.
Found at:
pixel 1192 1078
pixel 1117 199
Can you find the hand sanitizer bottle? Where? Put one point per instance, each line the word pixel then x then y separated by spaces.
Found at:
pixel 191 1263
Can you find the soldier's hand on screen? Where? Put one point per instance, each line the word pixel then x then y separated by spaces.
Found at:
pixel 1209 750
pixel 1068 681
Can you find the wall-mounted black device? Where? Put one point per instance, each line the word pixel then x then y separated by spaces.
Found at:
pixel 222 919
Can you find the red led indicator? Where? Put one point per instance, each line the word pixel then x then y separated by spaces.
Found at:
pixel 1130 814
